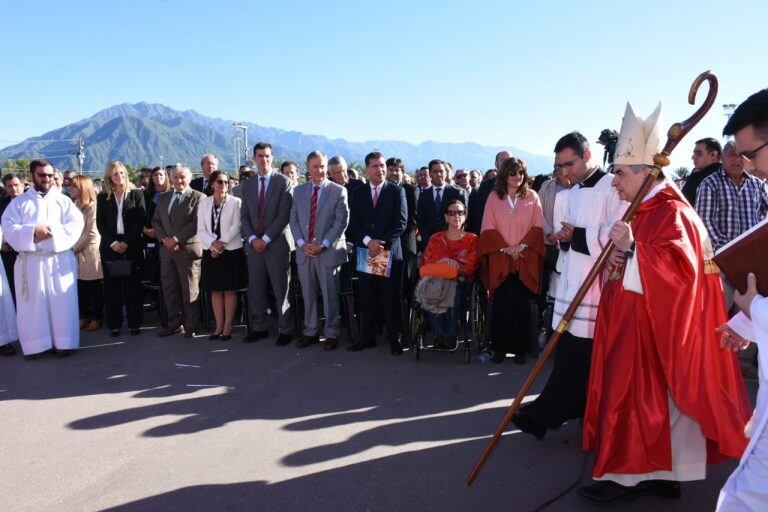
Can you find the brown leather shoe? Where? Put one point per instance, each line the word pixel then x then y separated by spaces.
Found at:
pixel 330 344
pixel 170 330
pixel 306 341
pixel 93 325
pixel 83 323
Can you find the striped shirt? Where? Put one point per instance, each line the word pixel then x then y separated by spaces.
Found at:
pixel 728 210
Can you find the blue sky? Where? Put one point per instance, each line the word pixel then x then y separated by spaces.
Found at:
pixel 498 73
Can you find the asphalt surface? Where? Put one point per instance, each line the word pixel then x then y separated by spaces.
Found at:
pixel 147 423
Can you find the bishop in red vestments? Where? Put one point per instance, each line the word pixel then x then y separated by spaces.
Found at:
pixel 663 398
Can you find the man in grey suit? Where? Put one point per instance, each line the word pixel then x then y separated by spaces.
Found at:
pixel 265 212
pixel 319 216
pixel 175 223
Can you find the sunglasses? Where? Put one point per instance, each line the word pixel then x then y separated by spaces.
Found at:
pixel 750 155
pixel 222 182
pixel 455 213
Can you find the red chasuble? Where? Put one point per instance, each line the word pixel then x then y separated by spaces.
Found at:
pixel 662 341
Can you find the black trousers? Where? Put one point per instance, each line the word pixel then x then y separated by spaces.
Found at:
pixel 564 396
pixel 9 260
pixel 122 292
pixel 510 326
pixel 375 290
pixel 90 299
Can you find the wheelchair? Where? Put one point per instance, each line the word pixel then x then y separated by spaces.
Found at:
pixel 472 329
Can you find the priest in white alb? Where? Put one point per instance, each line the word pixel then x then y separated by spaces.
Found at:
pixel 43 225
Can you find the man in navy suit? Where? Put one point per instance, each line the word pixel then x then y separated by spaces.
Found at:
pixel 378 216
pixel 208 164
pixel 430 211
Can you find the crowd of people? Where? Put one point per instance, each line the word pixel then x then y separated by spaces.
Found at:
pixel 643 361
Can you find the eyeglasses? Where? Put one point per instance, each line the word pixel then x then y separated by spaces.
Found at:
pixel 565 165
pixel 222 182
pixel 750 155
pixel 455 213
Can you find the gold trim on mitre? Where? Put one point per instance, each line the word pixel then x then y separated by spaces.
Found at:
pixel 639 140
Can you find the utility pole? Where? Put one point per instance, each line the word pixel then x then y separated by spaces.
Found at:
pixel 161 157
pixel 241 143
pixel 80 154
pixel 728 109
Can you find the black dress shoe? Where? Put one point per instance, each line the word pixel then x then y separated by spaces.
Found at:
pixel 499 357
pixel 665 488
pixel 518 359
pixel 31 357
pixel 7 350
pixel 396 346
pixel 114 333
pixel 361 344
pixel 65 352
pixel 226 337
pixel 283 339
pixel 527 425
pixel 255 335
pixel 214 337
pixel 608 492
pixel 135 332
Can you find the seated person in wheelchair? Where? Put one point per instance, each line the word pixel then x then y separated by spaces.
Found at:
pixel 450 254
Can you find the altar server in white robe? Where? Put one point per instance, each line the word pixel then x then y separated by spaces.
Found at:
pixel 584 216
pixel 8 332
pixel 747 487
pixel 43 225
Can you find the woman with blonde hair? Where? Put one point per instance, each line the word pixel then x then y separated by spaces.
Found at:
pixel 90 296
pixel 512 247
pixel 121 217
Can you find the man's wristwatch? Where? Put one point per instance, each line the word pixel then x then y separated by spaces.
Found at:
pixel 524 246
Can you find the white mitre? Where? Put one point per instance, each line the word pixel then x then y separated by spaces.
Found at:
pixel 638 140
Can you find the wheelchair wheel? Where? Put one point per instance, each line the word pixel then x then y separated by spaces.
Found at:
pixel 477 318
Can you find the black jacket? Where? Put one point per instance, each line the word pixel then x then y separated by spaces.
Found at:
pixel 134 220
pixel 430 217
pixel 385 222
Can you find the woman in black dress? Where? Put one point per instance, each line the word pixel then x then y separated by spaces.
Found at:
pixel 223 266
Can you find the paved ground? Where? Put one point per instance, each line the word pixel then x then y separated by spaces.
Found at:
pixel 123 426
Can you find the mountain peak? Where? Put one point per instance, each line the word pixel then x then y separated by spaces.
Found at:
pixel 142 132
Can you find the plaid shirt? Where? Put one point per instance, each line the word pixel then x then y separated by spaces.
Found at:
pixel 728 210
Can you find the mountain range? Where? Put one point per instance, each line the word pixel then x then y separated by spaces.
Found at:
pixel 141 133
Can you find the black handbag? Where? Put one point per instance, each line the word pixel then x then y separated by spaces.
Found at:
pixel 118 268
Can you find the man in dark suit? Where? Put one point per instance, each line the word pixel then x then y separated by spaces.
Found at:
pixel 395 174
pixel 265 213
pixel 479 197
pixel 378 216
pixel 208 164
pixel 430 211
pixel 12 187
pixel 337 170
pixel 175 224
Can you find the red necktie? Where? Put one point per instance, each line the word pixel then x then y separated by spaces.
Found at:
pixel 312 211
pixel 262 193
pixel 375 196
